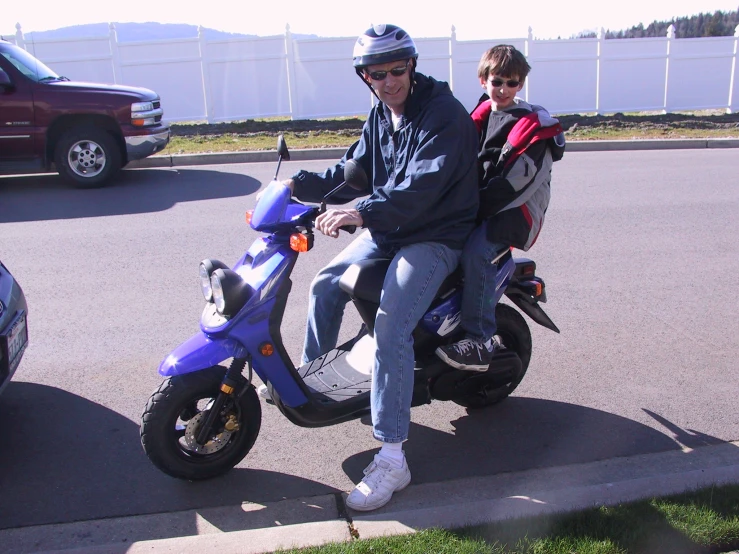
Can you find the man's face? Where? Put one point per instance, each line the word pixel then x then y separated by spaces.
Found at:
pixel 502 90
pixel 394 86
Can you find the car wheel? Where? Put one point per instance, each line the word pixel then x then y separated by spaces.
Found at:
pixel 87 157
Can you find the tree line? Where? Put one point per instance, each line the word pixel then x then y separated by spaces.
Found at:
pixel 716 24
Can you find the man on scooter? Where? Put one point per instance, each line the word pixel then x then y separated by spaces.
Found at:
pixel 419 148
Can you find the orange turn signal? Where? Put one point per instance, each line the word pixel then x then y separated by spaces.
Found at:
pixel 249 214
pixel 299 242
pixel 538 290
pixel 266 349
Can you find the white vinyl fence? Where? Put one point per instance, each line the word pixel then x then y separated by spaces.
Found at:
pixel 236 79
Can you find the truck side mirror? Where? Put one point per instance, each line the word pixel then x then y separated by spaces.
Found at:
pixel 5 82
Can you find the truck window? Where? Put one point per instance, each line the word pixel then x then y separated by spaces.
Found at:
pixel 27 64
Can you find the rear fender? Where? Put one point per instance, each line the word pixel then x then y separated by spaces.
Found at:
pixel 200 352
pixel 531 308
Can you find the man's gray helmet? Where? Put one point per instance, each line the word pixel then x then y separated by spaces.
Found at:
pixel 381 44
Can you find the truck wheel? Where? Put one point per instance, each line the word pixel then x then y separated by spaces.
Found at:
pixel 87 157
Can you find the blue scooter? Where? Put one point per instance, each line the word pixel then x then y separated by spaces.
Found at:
pixel 205 417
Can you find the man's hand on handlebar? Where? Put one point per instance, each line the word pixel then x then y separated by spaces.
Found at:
pixel 330 221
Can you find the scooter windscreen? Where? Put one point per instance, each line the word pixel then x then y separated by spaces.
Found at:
pixel 275 208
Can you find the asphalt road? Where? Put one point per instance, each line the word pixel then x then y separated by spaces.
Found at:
pixel 640 258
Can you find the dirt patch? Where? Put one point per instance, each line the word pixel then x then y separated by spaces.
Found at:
pixel 575 125
pixel 254 127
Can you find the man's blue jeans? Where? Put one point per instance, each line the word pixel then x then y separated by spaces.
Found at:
pixel 478 295
pixel 415 275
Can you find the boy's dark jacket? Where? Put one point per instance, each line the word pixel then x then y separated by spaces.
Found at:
pixel 423 175
pixel 517 148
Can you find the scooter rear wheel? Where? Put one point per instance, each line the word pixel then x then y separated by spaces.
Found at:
pixel 173 416
pixel 513 334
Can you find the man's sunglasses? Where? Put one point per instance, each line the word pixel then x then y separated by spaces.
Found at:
pixel 395 72
pixel 510 83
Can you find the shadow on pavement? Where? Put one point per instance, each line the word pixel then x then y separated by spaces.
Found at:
pixel 46 197
pixel 64 458
pixel 522 434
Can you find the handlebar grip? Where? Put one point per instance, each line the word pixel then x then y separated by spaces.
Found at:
pixel 349 228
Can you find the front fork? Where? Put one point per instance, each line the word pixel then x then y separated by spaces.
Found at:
pixel 234 381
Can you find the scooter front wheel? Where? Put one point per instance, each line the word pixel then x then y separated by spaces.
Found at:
pixel 174 414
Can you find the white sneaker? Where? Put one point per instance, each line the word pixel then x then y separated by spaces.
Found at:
pixel 263 392
pixel 381 480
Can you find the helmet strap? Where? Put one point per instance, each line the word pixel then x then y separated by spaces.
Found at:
pixel 360 72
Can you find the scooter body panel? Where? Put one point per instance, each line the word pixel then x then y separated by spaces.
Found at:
pixel 199 352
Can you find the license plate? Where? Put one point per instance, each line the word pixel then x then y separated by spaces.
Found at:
pixel 14 341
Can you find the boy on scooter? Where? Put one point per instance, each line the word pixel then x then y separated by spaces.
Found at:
pixel 418 147
pixel 518 144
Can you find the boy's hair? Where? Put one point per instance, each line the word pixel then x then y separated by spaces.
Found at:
pixel 503 60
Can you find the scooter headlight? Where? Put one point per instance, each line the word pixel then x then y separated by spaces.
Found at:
pixel 207 267
pixel 217 293
pixel 230 291
pixel 205 284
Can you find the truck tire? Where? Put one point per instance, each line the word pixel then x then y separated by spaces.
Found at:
pixel 87 157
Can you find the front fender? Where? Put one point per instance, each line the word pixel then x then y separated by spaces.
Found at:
pixel 200 352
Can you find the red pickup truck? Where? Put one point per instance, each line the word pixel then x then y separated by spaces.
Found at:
pixel 87 131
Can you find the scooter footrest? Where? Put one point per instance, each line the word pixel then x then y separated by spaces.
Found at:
pixel 332 379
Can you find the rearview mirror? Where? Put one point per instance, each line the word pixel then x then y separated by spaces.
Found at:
pixel 282 150
pixel 5 81
pixel 354 175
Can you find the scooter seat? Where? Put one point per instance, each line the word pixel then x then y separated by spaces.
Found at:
pixel 363 280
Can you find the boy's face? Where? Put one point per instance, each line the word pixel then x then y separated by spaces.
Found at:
pixel 501 90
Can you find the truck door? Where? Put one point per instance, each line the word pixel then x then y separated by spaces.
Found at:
pixel 16 115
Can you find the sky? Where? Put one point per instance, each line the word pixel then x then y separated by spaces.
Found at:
pixel 335 18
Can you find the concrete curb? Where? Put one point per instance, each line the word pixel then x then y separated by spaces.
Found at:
pixel 179 160
pixel 254 529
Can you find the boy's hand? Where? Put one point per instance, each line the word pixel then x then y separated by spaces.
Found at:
pixel 330 221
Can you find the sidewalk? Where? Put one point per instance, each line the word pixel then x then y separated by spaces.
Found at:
pixel 178 160
pixel 253 528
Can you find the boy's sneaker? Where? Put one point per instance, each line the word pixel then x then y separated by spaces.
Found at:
pixel 468 354
pixel 381 480
pixel 263 393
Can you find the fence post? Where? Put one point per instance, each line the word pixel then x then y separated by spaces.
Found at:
pixel 601 38
pixel 452 53
pixel 19 40
pixel 527 52
pixel 670 36
pixel 292 93
pixel 115 55
pixel 205 75
pixel 732 82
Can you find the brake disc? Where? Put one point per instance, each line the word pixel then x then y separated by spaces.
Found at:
pixel 213 445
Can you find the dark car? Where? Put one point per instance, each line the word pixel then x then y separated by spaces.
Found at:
pixel 86 131
pixel 13 325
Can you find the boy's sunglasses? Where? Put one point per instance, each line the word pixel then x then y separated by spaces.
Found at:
pixel 510 83
pixel 395 72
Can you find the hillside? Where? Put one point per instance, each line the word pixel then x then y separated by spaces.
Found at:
pixel 135 32
pixel 716 24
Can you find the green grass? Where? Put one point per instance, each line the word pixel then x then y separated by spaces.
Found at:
pixel 705 521
pixel 232 142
